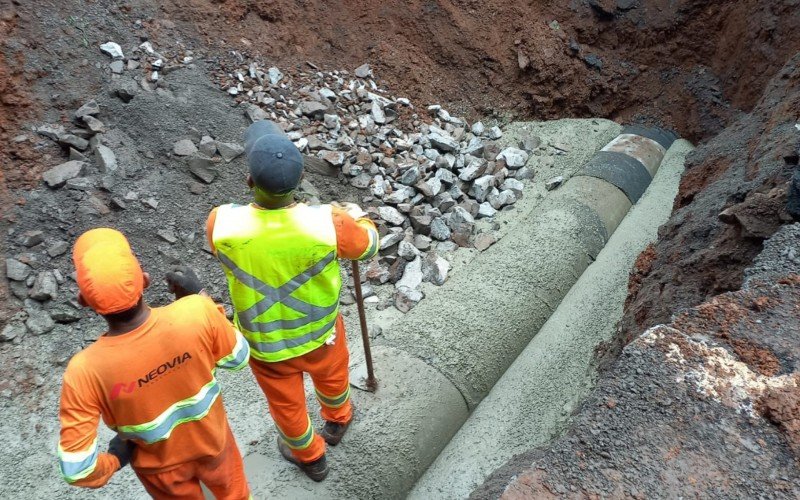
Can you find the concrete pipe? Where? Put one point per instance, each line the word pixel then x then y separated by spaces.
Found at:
pixel 529 271
pixel 536 395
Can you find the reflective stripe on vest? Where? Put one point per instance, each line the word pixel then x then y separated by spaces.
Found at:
pixel 283 276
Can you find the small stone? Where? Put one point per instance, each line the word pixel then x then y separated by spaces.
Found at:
pixel 202 169
pixel 495 133
pixel 446 176
pixel 168 235
pixel 117 67
pixel 75 155
pixel 514 185
pixel 405 299
pixel 553 183
pixel 412 276
pixel 422 223
pixel 184 147
pixel 208 146
pixel 391 239
pixel 422 242
pixel 410 176
pixel 94 124
pixel 391 215
pixel 150 202
pixel 407 251
pixel 229 150
pixel 363 71
pixel 485 210
pixel 530 143
pixel 362 180
pixel 435 269
pixel 499 199
pixel 255 113
pixel 439 229
pixel 480 188
pixel 478 128
pixel 16 270
pixel 524 173
pixel 12 331
pixel 331 122
pixel 474 169
pixel 40 322
pixel 442 142
pixel 106 159
pixel 515 158
pixel 73 140
pixel 88 109
pixel 65 315
pixel 377 272
pixel 31 238
pixel 313 109
pixel 45 287
pixel 484 241
pixel 113 50
pixel 378 116
pixel 461 220
pixel 57 248
pixel 275 75
pixel 335 158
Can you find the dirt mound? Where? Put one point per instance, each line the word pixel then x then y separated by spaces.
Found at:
pixel 732 198
pixel 684 65
pixel 685 411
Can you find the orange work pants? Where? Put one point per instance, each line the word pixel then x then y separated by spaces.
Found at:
pixel 223 475
pixel 282 383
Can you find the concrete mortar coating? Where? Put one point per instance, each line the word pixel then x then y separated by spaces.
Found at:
pixel 532 402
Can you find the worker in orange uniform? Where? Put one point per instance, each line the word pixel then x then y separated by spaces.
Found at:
pixel 280 258
pixel 151 379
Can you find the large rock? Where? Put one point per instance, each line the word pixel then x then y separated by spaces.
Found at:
pixel 435 269
pixel 45 287
pixel 59 175
pixel 229 150
pixel 313 109
pixel 106 159
pixel 40 322
pixel 481 187
pixel 16 270
pixel 514 157
pixel 184 147
pixel 255 113
pixel 202 168
pixel 474 169
pixel 391 215
pixel 439 229
pixel 405 299
pixel 443 143
pixel 412 276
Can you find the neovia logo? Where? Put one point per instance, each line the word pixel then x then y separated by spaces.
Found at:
pixel 129 387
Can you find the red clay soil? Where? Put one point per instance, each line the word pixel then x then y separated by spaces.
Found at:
pixel 675 63
pixel 782 407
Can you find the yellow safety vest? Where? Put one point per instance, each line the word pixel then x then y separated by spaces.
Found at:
pixel 283 276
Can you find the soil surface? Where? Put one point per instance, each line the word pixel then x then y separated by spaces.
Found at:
pixel 704 407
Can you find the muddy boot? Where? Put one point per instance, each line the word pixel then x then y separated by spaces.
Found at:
pixel 332 432
pixel 316 470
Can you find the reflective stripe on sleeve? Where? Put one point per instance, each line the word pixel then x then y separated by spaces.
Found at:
pixel 372 248
pixel 76 465
pixel 239 357
pixel 187 410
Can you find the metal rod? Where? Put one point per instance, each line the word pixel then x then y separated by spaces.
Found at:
pixel 372 383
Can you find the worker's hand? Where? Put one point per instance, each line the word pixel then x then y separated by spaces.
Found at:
pixel 122 449
pixel 182 281
pixel 351 209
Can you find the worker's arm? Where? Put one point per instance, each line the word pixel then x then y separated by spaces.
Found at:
pixel 79 459
pixel 356 238
pixel 212 218
pixel 229 346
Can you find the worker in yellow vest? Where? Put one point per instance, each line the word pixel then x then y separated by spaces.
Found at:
pixel 281 261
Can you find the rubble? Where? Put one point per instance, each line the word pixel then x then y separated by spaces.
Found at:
pixel 45 287
pixel 553 183
pixel 40 323
pixel 113 50
pixel 91 108
pixel 16 270
pixel 106 159
pixel 229 151
pixel 12 331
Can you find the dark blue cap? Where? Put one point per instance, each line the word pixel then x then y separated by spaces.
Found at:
pixel 276 164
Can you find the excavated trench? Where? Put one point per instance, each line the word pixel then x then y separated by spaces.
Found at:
pixel 690 67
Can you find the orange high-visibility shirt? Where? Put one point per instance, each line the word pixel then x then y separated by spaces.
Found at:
pixel 155 386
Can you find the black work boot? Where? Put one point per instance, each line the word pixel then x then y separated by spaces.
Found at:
pixel 316 470
pixel 332 432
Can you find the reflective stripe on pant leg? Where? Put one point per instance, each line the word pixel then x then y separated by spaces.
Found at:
pixel 333 401
pixel 300 442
